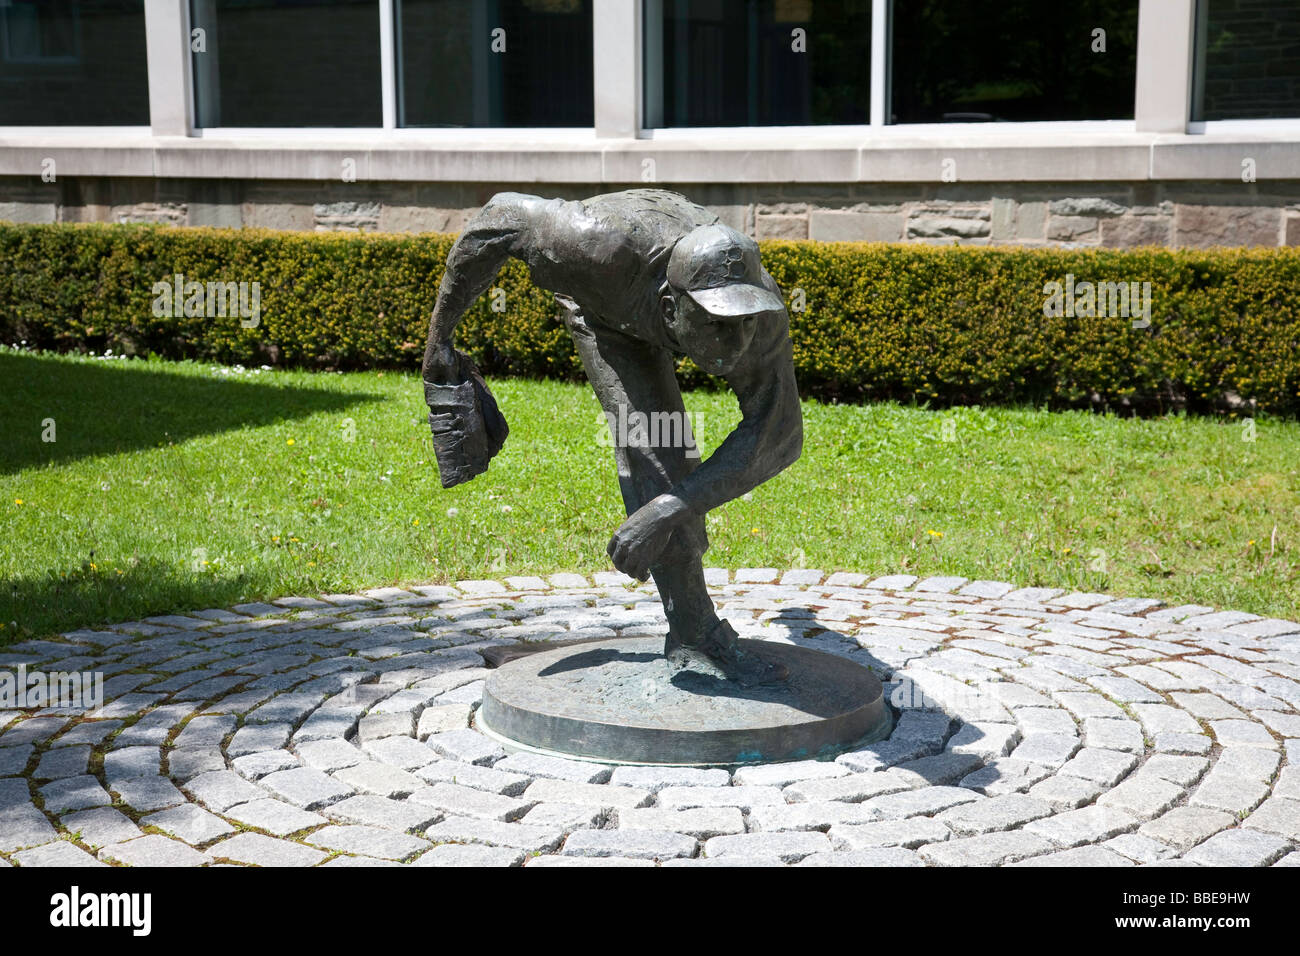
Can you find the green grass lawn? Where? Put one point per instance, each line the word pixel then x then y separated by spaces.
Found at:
pixel 174 486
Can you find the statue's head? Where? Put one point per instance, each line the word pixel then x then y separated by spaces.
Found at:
pixel 714 295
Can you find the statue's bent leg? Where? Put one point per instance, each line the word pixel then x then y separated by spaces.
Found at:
pixel 635 384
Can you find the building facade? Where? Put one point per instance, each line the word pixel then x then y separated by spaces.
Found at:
pixel 1111 123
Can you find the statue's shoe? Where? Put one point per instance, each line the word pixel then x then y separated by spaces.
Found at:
pixel 719 655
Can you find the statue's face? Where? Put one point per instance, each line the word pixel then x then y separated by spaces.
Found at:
pixel 714 344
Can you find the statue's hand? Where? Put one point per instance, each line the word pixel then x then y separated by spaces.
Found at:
pixel 442 365
pixel 643 536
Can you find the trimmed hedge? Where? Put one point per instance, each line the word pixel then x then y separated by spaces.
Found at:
pixel 943 324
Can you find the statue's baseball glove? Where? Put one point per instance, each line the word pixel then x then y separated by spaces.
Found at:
pixel 468 428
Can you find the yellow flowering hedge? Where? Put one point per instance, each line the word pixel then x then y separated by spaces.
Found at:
pixel 910 322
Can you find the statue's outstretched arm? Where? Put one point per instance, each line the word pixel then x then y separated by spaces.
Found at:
pixel 468 428
pixel 769 437
pixel 499 231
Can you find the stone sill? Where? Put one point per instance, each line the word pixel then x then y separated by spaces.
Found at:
pixel 1021 153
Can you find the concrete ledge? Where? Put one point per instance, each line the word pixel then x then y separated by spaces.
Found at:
pixel 1005 163
pixel 577 156
pixel 1185 158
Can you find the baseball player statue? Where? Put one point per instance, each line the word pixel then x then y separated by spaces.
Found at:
pixel 642 276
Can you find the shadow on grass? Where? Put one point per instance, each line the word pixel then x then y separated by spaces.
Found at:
pixel 102 408
pixel 55 602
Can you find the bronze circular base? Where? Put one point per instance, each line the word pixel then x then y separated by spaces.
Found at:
pixel 617 701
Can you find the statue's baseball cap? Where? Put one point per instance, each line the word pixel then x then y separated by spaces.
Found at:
pixel 719 269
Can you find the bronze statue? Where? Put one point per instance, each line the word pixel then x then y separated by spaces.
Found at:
pixel 642 275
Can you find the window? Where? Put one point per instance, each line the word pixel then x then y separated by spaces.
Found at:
pixel 1248 59
pixel 73 63
pixel 1013 60
pixel 757 62
pixel 504 63
pixel 303 63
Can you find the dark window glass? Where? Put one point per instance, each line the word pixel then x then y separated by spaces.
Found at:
pixel 1020 60
pixel 287 63
pixel 757 62
pixel 73 63
pixel 495 63
pixel 1249 59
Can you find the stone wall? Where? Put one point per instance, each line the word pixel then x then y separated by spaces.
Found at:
pixel 1065 215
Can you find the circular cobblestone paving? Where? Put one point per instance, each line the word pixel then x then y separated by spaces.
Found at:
pixel 1034 727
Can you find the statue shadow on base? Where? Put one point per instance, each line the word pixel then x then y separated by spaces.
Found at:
pixel 695 682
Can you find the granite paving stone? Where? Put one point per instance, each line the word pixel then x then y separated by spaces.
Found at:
pixel 258 850
pixel 474 855
pixel 1050 750
pixel 131 762
pixel 699 822
pixel 219 790
pixel 1065 792
pixel 1242 733
pixel 1109 734
pixel 809 816
pixel 853 788
pixel 378 778
pixel 550 790
pixel 531 838
pixel 63 762
pixel 1083 856
pixel 406 753
pixel 1225 790
pixel 635 844
pixel 910 833
pixel 456 800
pixel 1184 827
pixel 996 813
pixel 258 765
pixel 376 811
pixel 1239 847
pixel 275 816
pixel 1179 743
pixel 743 798
pixel 306 787
pixel 871 858
pixel 23 826
pixel 784 774
pixel 379 842
pixel 472 775
pixel 1139 848
pixel 185 765
pixel 561 816
pixel 100 826
pixel 789 846
pixel 1277 815
pixel 467 746
pixel 656 779
pixel 555 768
pixel 256 738
pixel 990 849
pixel 1106 767
pixel 149 793
pixel 1144 797
pixel 74 793
pixel 329 755
pixel 189 823
pixel 926 801
pixel 1181 770
pixel 154 850
pixel 60 853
